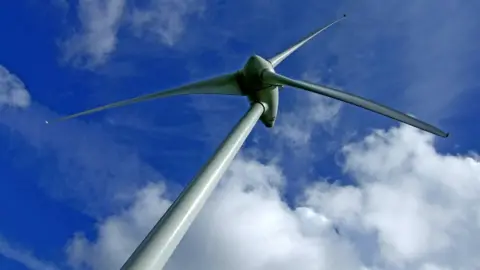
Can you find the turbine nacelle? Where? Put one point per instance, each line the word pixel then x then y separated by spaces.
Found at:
pixel 252 85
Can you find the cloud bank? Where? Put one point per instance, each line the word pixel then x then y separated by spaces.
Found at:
pixel 411 208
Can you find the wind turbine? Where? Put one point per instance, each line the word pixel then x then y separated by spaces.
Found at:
pixel 259 82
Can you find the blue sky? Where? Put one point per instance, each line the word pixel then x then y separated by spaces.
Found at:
pixel 69 190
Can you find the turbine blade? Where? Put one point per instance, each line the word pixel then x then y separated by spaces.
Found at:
pixel 277 59
pixel 222 85
pixel 275 78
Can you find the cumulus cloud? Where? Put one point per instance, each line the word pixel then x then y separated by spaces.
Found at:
pixel 118 235
pixel 245 225
pixel 23 256
pixel 416 205
pixel 12 90
pixel 164 19
pixel 97 37
pixel 100 21
pixel 310 111
pixel 411 208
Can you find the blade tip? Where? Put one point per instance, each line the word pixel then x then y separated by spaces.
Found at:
pixel 442 134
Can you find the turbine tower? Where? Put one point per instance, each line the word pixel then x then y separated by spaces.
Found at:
pixel 259 82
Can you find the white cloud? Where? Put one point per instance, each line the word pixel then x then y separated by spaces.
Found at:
pixel 419 204
pixel 12 90
pixel 97 38
pixel 164 19
pixel 412 208
pixel 309 112
pixel 23 256
pixel 101 20
pixel 245 225
pixel 118 235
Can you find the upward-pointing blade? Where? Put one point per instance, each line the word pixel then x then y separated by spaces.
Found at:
pixel 275 78
pixel 221 85
pixel 277 59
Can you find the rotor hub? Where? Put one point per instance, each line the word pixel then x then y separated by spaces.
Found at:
pixel 252 85
pixel 250 79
